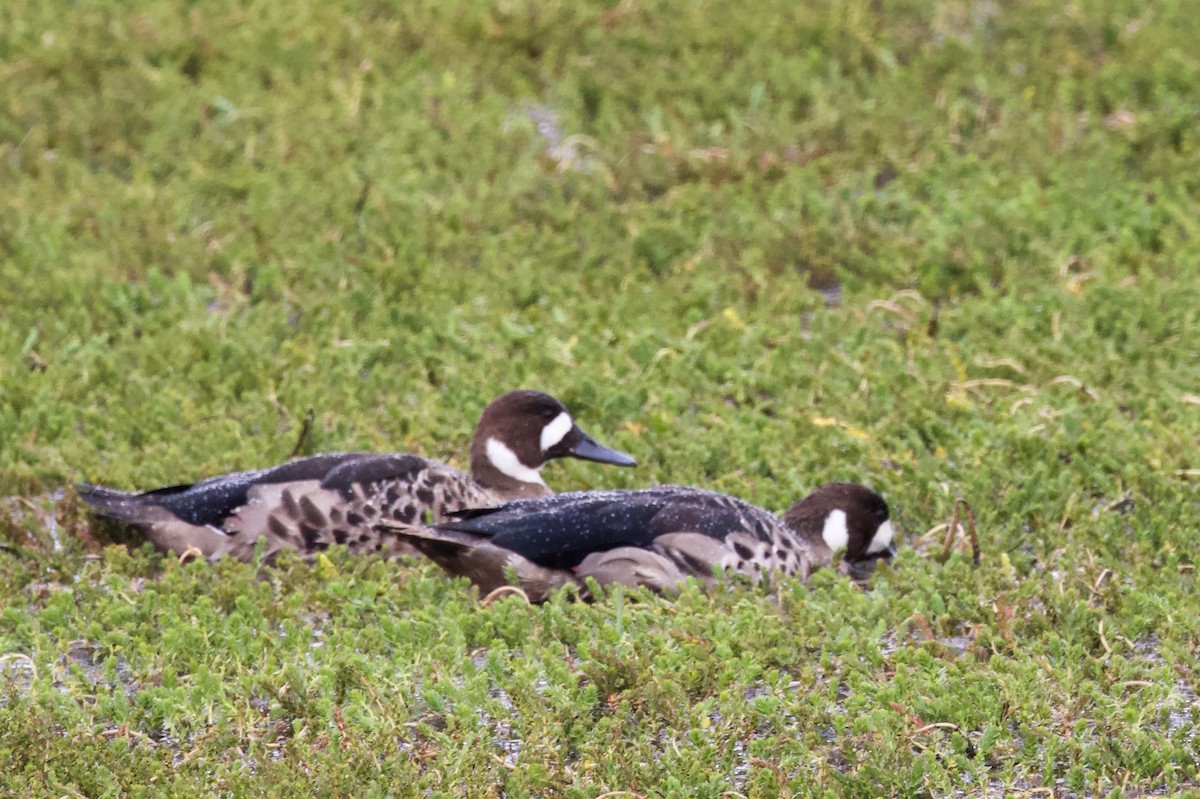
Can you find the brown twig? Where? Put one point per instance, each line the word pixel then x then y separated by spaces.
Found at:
pixel 937 725
pixel 972 536
pixel 190 553
pixel 953 528
pixel 504 590
pixel 305 429
pixel 14 657
pixel 363 195
pixel 951 534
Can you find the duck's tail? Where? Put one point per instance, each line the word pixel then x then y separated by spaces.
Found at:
pixel 166 530
pixel 443 547
pixel 478 559
pixel 122 506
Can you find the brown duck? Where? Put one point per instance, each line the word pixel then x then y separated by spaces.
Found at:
pixel 310 503
pixel 657 537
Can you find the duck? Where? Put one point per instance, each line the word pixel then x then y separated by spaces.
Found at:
pixel 656 537
pixel 311 503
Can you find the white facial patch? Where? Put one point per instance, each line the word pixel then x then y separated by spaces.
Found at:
pixel 507 461
pixel 556 430
pixel 882 539
pixel 836 534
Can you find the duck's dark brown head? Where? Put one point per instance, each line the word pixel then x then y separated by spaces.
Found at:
pixel 846 517
pixel 520 431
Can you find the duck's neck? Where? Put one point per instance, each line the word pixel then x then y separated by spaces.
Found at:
pixel 808 530
pixel 497 469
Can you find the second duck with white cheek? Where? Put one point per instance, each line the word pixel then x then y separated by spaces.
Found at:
pixel 657 537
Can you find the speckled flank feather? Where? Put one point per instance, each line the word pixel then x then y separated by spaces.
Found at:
pixel 310 504
pixel 654 537
pixel 303 515
pixel 308 518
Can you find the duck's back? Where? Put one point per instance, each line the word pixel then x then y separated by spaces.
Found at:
pixel 213 500
pixel 561 531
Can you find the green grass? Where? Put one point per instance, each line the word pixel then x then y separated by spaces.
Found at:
pixel 218 217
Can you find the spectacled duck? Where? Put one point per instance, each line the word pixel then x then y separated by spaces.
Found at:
pixel 309 503
pixel 657 537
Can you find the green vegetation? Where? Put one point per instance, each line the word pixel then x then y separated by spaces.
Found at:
pixel 948 249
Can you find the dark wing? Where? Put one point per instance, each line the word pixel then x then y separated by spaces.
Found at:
pixel 561 530
pixel 211 501
pixel 366 470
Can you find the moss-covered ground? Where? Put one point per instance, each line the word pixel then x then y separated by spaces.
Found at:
pixel 950 249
